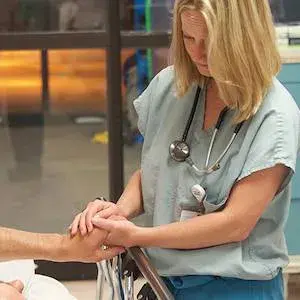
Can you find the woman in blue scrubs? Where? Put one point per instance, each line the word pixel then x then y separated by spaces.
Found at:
pixel 221 136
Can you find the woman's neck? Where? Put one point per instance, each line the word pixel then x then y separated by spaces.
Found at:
pixel 213 105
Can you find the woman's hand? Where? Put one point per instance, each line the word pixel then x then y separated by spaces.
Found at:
pixel 83 221
pixel 121 232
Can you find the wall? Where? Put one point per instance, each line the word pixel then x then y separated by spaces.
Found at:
pixel 290 77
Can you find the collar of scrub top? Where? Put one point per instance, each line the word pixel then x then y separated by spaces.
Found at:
pixel 180 150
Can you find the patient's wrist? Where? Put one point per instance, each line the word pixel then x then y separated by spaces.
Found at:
pixel 67 246
pixel 57 248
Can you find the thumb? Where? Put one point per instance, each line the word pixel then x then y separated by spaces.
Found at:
pixel 109 253
pixel 105 224
pixel 106 213
pixel 117 218
pixel 18 285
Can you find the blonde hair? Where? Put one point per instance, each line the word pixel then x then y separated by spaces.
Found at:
pixel 242 54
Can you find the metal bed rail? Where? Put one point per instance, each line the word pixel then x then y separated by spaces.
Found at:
pixel 111 273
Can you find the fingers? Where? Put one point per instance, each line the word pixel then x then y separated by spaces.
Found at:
pixel 105 224
pixel 82 223
pixel 117 218
pixel 109 253
pixel 106 213
pixel 92 210
pixel 74 225
pixel 18 285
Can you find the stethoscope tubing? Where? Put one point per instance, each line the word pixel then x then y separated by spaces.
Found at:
pixel 186 153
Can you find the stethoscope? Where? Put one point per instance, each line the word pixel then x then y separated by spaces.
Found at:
pixel 180 150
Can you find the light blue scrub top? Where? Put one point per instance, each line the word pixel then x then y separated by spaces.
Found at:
pixel 272 136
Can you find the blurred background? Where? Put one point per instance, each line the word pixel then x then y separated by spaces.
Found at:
pixel 53 105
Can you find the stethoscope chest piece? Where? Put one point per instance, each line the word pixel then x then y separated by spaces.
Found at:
pixel 179 151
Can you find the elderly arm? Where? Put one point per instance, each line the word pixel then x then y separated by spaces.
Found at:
pixel 15 244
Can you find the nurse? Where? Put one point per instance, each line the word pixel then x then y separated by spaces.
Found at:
pixel 221 136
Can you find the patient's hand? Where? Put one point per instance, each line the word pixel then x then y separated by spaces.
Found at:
pixel 87 248
pixel 83 221
pixel 12 290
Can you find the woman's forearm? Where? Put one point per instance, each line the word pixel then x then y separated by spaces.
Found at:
pixel 200 232
pixel 130 201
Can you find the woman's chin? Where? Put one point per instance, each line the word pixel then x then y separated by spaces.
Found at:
pixel 203 70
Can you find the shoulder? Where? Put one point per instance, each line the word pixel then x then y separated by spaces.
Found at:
pixel 278 109
pixel 156 97
pixel 280 102
pixel 160 91
pixel 273 135
pixel 164 80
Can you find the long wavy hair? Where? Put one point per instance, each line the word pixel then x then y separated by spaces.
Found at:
pixel 242 53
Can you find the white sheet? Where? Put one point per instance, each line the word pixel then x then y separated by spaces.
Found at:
pixel 36 287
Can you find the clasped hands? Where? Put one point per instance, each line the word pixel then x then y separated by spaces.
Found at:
pixel 107 216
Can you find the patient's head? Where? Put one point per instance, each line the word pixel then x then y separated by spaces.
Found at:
pixel 12 290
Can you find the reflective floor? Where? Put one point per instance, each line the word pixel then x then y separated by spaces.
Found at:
pixel 49 173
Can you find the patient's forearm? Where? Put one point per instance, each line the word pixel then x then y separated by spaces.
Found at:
pixel 15 244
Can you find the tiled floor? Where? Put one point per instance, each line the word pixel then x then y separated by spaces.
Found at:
pixel 87 290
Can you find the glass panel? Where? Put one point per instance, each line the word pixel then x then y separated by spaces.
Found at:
pixel 285 11
pixel 152 15
pixel 77 80
pixel 56 158
pixel 48 159
pixel 20 93
pixel 51 163
pixel 78 15
pixel 41 15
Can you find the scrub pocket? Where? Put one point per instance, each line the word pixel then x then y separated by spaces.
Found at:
pixel 211 207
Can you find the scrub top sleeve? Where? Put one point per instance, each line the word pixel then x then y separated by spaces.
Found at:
pixel 277 141
pixel 142 105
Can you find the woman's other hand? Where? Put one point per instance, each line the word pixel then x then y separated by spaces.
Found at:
pixel 83 221
pixel 121 232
